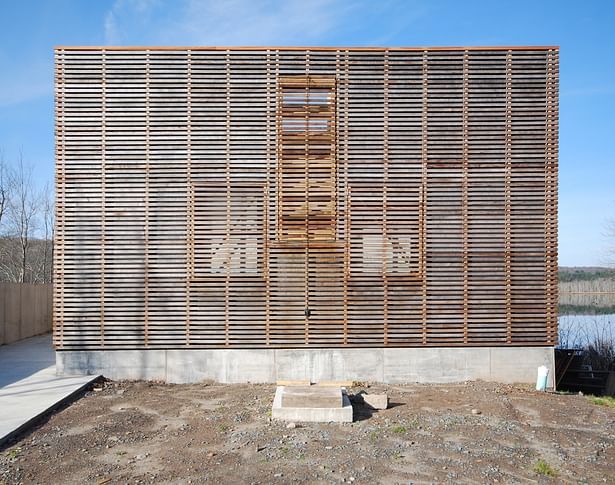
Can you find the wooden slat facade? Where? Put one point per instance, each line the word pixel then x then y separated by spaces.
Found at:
pixel 292 197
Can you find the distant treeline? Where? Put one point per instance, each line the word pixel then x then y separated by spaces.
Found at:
pixel 585 274
pixel 33 266
pixel 26 225
pixel 586 291
pixel 566 309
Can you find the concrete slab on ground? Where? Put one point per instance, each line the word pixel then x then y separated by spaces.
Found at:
pixel 303 410
pixel 29 386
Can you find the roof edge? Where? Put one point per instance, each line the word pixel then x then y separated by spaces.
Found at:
pixel 299 48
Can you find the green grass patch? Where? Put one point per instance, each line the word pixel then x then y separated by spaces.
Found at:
pixel 607 401
pixel 14 453
pixel 398 429
pixel 543 468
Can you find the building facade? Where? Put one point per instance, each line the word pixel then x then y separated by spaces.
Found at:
pixel 255 214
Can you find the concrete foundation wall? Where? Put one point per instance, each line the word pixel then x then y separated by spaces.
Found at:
pixel 388 365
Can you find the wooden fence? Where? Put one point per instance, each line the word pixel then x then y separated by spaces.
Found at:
pixel 25 311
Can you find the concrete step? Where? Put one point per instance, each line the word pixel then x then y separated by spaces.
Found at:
pixel 311 404
pixel 311 397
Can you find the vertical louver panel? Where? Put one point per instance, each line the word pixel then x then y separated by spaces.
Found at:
pixel 306 159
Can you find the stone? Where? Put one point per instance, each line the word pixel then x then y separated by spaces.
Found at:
pixel 291 425
pixel 476 411
pixel 376 401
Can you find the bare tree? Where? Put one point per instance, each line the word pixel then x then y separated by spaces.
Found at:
pixel 4 191
pixel 26 225
pixel 49 231
pixel 22 212
pixel 610 234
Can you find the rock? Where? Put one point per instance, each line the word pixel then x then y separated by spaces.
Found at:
pixel 277 475
pixel 376 401
pixel 291 425
pixel 476 411
pixel 211 454
pixel 351 479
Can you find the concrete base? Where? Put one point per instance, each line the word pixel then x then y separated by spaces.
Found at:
pixel 387 365
pixel 310 413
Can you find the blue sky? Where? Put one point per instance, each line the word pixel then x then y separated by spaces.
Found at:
pixel 29 29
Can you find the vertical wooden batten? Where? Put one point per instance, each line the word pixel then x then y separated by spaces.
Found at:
pixel 270 96
pixel 60 206
pixel 306 181
pixel 507 197
pixel 227 302
pixel 103 191
pixel 385 184
pixel 190 202
pixel 551 150
pixel 423 201
pixel 146 225
pixel 464 195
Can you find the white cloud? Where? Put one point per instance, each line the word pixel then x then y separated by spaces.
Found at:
pixel 111 32
pixel 217 22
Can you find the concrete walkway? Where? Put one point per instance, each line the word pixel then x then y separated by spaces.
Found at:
pixel 29 387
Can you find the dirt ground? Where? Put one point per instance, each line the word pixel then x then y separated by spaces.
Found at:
pixel 136 432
